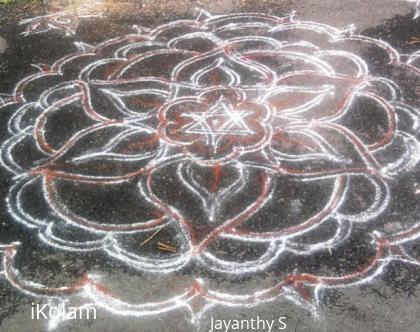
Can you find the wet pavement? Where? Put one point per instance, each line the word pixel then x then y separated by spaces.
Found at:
pixel 179 169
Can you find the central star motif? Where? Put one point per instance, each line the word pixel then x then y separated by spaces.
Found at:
pixel 219 121
pixel 215 127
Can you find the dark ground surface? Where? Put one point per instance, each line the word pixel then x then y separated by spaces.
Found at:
pixel 389 302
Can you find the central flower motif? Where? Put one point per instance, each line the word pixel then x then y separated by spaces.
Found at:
pixel 217 126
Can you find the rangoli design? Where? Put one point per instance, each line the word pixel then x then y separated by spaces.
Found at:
pixel 214 131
